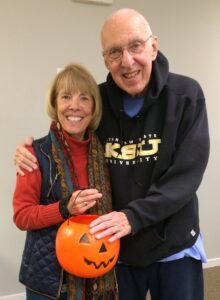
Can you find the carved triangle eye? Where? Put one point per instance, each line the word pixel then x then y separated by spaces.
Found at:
pixel 103 248
pixel 84 239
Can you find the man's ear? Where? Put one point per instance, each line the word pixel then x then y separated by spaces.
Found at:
pixel 154 47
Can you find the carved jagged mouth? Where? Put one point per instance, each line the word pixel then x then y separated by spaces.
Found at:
pixel 89 262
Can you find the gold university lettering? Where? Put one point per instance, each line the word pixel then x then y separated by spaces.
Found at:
pixel 129 152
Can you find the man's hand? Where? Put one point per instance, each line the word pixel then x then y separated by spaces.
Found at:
pixel 23 158
pixel 114 224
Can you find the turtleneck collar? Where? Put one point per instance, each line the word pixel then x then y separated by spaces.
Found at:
pixel 77 146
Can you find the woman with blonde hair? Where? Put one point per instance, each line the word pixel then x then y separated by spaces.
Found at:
pixel 72 179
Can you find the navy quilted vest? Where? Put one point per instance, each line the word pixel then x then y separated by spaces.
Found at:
pixel 40 270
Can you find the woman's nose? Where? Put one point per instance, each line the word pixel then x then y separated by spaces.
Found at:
pixel 74 102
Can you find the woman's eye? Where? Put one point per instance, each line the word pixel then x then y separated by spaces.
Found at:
pixel 84 97
pixel 66 97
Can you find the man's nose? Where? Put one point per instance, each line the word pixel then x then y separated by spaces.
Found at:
pixel 127 59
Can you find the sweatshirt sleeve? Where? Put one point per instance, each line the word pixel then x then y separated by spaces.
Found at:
pixel 173 188
pixel 28 213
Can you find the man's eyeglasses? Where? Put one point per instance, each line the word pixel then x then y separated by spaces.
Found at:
pixel 133 48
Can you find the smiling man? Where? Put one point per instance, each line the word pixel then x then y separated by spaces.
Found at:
pixel 154 126
pixel 129 48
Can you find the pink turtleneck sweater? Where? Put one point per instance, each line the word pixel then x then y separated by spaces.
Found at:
pixel 28 213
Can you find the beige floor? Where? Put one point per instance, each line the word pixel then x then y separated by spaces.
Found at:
pixel 212 283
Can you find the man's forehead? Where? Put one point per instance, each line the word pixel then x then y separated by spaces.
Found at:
pixel 119 32
pixel 123 40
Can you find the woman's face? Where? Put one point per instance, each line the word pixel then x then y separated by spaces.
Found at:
pixel 74 111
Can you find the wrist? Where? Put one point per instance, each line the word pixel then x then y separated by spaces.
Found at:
pixel 63 207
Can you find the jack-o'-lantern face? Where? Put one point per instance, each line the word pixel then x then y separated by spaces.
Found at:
pixel 80 253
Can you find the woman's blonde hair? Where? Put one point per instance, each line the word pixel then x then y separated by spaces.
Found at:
pixel 75 77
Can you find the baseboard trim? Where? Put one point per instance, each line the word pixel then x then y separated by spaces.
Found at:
pixel 213 262
pixel 20 296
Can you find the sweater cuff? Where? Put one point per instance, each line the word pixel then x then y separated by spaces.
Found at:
pixel 131 220
pixel 63 207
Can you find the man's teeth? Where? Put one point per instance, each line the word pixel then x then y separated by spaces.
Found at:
pixel 74 119
pixel 130 75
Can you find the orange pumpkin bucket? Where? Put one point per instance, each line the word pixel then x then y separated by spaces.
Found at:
pixel 80 253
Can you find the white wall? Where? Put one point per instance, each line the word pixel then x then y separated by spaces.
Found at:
pixel 37 37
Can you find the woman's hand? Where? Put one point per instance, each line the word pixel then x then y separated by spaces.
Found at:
pixel 82 200
pixel 23 159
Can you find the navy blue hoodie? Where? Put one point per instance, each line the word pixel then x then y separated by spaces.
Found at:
pixel 156 160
